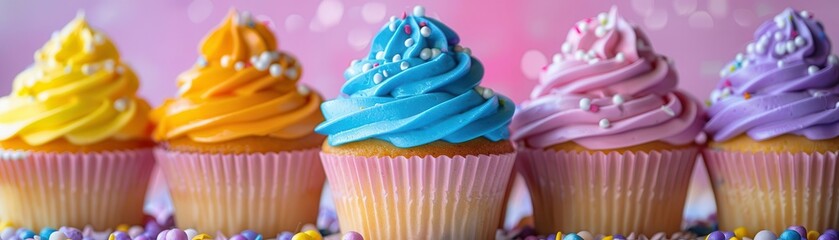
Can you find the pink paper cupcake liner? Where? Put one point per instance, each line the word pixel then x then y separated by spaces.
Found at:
pixel 444 197
pixel 775 190
pixel 264 192
pixel 607 192
pixel 103 189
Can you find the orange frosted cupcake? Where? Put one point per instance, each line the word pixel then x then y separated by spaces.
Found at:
pixel 237 145
pixel 74 137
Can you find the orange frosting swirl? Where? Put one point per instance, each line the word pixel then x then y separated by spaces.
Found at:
pixel 78 89
pixel 241 86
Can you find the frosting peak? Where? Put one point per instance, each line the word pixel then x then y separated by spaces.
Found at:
pixel 416 86
pixel 77 89
pixel 787 82
pixel 240 86
pixel 607 89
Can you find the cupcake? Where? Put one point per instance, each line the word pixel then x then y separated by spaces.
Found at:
pixel 416 149
pixel 774 129
pixel 75 145
pixel 237 146
pixel 606 142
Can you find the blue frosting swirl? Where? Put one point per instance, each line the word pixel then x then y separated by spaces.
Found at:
pixel 417 91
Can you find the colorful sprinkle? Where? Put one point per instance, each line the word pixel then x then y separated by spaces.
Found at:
pixel 407 29
pixel 747 95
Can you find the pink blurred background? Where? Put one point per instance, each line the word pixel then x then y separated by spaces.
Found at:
pixel 514 39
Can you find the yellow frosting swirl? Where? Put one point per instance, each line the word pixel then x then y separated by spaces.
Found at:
pixel 77 89
pixel 241 86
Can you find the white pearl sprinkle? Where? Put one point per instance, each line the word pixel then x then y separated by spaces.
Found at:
pixel 384 73
pixel 121 104
pixel 723 72
pixel 617 99
pixel 600 31
pixel 760 48
pixel 668 111
pixel 585 104
pixel 98 39
pixel 593 60
pixel 377 78
pixel 557 58
pixel 55 36
pixel 425 31
pixel 780 49
pixel 392 18
pixel 88 69
pixel 266 57
pixel 392 26
pixel 619 57
pixel 779 36
pixel 836 105
pixel 120 69
pixel 800 41
pixel 239 66
pixel 750 48
pixel 486 93
pixel 225 61
pixel 780 22
pixel 404 65
pixel 583 26
pixel 88 47
pixel 601 17
pixel 396 58
pixel 354 62
pixel 726 92
pixel 604 123
pixel 833 60
pixel 812 69
pixel 409 42
pixel 276 70
pixel 68 69
pixel 425 54
pixel 780 63
pixel 805 14
pixel 291 73
pixel 566 47
pixel 366 67
pixel 790 47
pixel 109 65
pixel 739 57
pixel 419 11
pixel 254 59
pixel 435 52
pixel 261 66
pixel 380 55
pixel 579 55
pixel 303 90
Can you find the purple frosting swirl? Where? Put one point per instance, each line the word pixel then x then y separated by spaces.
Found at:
pixel 786 83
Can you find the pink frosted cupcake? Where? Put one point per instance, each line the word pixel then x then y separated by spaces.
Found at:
pixel 237 145
pixel 74 137
pixel 606 143
pixel 416 148
pixel 774 125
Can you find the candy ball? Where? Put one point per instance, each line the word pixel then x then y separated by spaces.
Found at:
pixel 551 237
pixel 314 234
pixel 5 224
pixel 153 229
pixel 142 237
pixel 249 234
pixel 46 232
pixel 24 233
pixel 618 237
pixel 716 235
pixel 741 232
pixel 352 236
pixel 119 236
pixel 285 236
pixel 161 235
pixel 790 235
pixel 123 228
pixel 585 235
pixel 765 235
pixel 827 236
pixel 176 234
pixel 238 237
pixel 831 231
pixel 802 232
pixel 572 236
pixel 202 236
pixel 135 231
pixel 728 235
pixel 191 233
pixel 812 235
pixel 610 237
pixel 300 236
pixel 7 233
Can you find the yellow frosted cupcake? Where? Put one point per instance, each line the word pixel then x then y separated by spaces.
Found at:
pixel 237 145
pixel 74 137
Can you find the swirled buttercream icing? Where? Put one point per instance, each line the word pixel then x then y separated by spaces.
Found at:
pixel 607 89
pixel 78 89
pixel 241 86
pixel 787 82
pixel 416 86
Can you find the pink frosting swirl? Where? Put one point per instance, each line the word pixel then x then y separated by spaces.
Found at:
pixel 607 89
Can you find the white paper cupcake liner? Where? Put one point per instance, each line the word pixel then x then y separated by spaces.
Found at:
pixel 607 192
pixel 775 190
pixel 444 197
pixel 102 189
pixel 264 192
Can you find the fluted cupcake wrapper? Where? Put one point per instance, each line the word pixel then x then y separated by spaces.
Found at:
pixel 103 189
pixel 607 192
pixel 445 197
pixel 264 192
pixel 775 190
